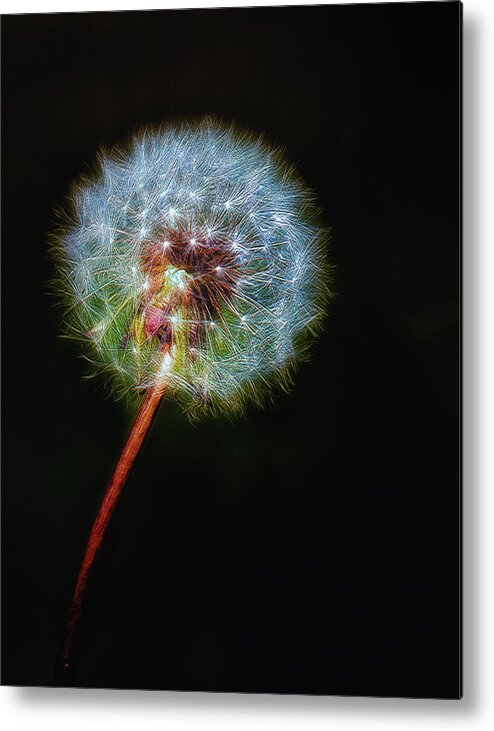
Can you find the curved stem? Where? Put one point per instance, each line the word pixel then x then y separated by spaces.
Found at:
pixel 130 451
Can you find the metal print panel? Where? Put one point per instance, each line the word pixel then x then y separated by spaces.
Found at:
pixel 231 311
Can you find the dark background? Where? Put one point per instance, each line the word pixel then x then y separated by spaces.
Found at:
pixel 312 547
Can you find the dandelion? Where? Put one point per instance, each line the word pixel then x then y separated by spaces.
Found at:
pixel 193 263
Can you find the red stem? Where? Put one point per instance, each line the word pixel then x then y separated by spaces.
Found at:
pixel 130 451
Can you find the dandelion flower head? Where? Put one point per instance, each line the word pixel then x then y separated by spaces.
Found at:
pixel 193 257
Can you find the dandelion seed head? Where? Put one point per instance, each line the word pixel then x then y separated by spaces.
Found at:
pixel 195 256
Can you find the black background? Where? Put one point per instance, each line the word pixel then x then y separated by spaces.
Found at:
pixel 312 547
